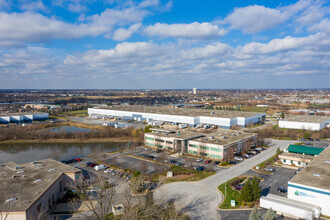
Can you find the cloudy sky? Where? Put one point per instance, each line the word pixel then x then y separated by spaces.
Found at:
pixel 165 44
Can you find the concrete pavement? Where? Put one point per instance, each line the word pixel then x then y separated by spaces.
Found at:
pixel 201 199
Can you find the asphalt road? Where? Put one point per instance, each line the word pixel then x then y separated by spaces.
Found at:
pixel 201 199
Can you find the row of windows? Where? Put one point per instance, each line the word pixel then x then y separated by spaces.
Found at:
pixel 215 149
pixel 204 148
pixel 192 152
pixel 160 140
pixel 152 145
pixel 284 160
pixel 216 156
pixel 150 139
pixel 169 142
pixel 192 145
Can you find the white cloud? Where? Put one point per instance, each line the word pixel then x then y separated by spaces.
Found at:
pixel 122 34
pixel 191 31
pixel 253 19
pixel 34 27
pixel 287 43
pixel 148 3
pixel 33 6
pixel 209 51
pixel 323 25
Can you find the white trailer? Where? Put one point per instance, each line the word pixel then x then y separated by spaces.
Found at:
pixel 156 123
pixel 109 124
pixel 289 207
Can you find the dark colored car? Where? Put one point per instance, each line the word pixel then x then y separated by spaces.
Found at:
pixel 172 161
pixel 238 187
pixel 317 139
pixel 158 151
pixel 69 161
pixel 232 162
pixel 179 164
pixel 311 139
pixel 90 164
pixel 200 168
pixel 216 162
pixel 64 161
pixel 208 161
pixel 303 139
pixel 282 189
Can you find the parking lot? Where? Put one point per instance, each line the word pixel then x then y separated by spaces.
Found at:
pixel 280 178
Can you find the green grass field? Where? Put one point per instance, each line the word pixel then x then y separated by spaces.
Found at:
pixel 231 194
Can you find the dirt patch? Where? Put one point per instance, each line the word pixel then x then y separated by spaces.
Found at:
pixel 180 177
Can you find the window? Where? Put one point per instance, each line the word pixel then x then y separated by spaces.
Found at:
pixel 149 144
pixel 204 148
pixel 192 145
pixel 60 186
pixel 215 149
pixel 169 142
pixel 192 152
pixel 150 139
pixel 299 163
pixel 160 146
pixel 216 156
pixel 170 148
pixel 159 140
pixel 291 161
pixel 284 160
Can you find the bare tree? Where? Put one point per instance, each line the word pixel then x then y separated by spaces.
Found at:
pixel 97 197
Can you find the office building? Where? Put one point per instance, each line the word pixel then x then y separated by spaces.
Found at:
pixel 23 117
pixel 31 189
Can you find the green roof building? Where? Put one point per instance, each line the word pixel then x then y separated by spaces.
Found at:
pixel 302 149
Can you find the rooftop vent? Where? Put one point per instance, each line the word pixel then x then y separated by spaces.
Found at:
pixel 316 174
pixel 37 181
pixel 50 170
pixel 11 200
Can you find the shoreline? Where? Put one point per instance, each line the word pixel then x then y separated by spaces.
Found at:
pixel 54 141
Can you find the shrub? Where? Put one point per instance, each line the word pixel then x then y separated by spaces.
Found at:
pixel 224 163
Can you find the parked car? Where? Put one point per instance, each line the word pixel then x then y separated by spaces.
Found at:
pixel 165 161
pixel 147 148
pixel 317 139
pixel 90 164
pixel 100 167
pixel 199 160
pixel 232 162
pixel 238 187
pixel 216 162
pixel 77 159
pixel 282 189
pixel 172 161
pixel 238 158
pixel 310 139
pixel 208 161
pixel 108 170
pixel 179 164
pixel 246 156
pixel 200 168
pixel 303 139
pixel 158 151
pixel 269 169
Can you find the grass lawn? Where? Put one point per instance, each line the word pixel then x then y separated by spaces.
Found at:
pixel 74 113
pixel 194 175
pixel 230 195
pixel 254 109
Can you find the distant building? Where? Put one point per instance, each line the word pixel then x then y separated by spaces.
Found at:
pixel 23 117
pixel 190 116
pixel 220 145
pixel 30 189
pixel 194 91
pixel 314 123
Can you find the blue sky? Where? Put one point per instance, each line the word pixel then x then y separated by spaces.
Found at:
pixel 164 44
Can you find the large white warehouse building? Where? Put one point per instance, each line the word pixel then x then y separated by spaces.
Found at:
pixel 312 184
pixel 307 122
pixel 223 119
pixel 23 117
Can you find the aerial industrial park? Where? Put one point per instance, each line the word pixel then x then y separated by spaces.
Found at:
pixel 164 110
pixel 115 153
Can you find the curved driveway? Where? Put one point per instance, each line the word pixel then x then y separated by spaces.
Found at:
pixel 201 199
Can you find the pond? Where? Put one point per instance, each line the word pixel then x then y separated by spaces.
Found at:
pixel 22 152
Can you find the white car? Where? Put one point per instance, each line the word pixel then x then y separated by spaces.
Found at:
pixel 238 158
pixel 108 170
pixel 148 148
pixel 199 160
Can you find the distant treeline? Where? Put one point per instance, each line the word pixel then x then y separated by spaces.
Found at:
pixel 35 132
pixel 275 131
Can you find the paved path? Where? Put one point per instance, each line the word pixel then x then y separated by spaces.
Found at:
pixel 201 199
